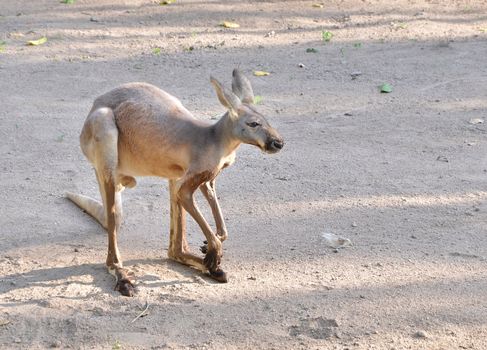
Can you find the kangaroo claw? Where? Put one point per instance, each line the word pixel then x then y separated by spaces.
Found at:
pixel 212 260
pixel 204 248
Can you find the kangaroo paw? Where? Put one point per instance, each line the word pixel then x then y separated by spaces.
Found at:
pixel 219 275
pixel 212 260
pixel 125 287
pixel 204 248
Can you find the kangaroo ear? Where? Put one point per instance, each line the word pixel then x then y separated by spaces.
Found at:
pixel 241 87
pixel 227 98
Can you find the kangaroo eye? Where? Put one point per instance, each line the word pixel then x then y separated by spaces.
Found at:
pixel 253 124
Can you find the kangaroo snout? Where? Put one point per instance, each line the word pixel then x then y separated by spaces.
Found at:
pixel 274 145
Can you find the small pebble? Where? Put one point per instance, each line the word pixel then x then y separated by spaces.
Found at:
pixel 56 344
pixel 421 334
pixel 355 75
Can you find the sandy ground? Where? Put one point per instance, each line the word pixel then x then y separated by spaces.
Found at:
pixel 402 175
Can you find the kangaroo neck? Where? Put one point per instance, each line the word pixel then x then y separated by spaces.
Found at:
pixel 223 133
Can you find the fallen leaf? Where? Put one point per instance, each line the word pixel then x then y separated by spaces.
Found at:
pixel 475 121
pixel 261 73
pixel 399 25
pixel 228 24
pixel 37 42
pixel 69 2
pixel 317 5
pixel 167 2
pixel 386 88
pixel 16 35
pixel 257 99
pixel 2 45
pixel 156 51
pixel 4 322
pixel 335 241
pixel 442 159
pixel 326 35
pixel 311 50
pixel 357 45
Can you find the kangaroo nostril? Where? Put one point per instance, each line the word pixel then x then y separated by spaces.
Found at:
pixel 278 144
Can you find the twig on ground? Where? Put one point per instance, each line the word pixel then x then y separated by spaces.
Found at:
pixel 143 313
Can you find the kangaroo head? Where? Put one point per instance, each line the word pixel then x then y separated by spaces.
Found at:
pixel 249 126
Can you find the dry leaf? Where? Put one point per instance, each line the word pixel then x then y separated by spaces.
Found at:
pixel 318 5
pixel 37 42
pixel 476 121
pixel 257 99
pixel 335 241
pixel 228 24
pixel 261 73
pixel 4 322
pixel 16 35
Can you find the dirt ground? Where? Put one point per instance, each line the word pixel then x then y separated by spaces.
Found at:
pixel 402 175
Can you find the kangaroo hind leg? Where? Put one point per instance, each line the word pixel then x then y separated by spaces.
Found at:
pixel 99 141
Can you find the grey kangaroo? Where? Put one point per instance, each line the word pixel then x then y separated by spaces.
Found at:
pixel 138 129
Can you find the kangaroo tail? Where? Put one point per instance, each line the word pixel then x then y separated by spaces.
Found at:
pixel 89 205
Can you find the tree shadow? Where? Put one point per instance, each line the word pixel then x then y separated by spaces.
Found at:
pixel 324 316
pixel 101 280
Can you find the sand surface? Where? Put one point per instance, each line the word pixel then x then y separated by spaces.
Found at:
pixel 402 175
